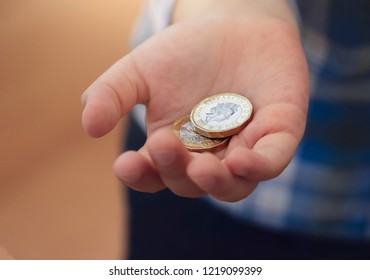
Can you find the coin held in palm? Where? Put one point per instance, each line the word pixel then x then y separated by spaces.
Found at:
pixel 221 115
pixel 193 141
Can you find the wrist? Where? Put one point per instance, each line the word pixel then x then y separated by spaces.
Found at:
pixel 185 10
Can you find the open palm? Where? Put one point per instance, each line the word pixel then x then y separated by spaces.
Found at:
pixel 260 58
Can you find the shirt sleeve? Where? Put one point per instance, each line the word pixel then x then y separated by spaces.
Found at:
pixel 155 15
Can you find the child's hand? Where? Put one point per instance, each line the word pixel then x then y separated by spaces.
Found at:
pixel 260 58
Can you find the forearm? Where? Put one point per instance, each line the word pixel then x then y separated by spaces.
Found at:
pixel 193 9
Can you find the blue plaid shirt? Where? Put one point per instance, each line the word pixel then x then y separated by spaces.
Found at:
pixel 325 190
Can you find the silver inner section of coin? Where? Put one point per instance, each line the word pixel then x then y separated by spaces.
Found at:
pixel 222 113
pixel 188 134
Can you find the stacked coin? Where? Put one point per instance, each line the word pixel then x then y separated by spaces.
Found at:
pixel 212 121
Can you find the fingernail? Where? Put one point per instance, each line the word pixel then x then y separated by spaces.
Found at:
pixel 206 183
pixel 163 158
pixel 241 172
pixel 129 178
pixel 83 100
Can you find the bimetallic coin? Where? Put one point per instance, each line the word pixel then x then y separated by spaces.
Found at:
pixel 221 115
pixel 195 142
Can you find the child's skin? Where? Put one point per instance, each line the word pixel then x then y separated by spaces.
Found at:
pixel 247 47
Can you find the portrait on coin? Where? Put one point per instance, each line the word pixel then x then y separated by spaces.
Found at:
pixel 222 112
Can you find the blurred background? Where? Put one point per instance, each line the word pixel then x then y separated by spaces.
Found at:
pixel 59 198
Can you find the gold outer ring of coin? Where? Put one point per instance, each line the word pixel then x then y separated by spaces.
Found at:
pixel 223 131
pixel 205 145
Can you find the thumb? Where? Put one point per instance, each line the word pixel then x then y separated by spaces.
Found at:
pixel 112 96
